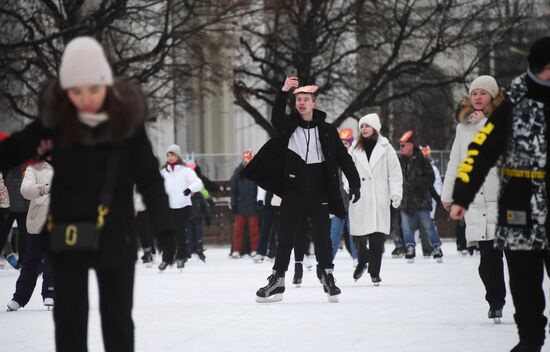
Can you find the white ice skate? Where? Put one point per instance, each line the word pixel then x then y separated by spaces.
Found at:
pixel 13 306
pixel 48 302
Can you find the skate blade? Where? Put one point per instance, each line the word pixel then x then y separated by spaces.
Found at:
pixel 275 298
pixel 497 321
pixel 309 267
pixel 332 299
pixel 148 265
pixel 376 284
pixel 439 260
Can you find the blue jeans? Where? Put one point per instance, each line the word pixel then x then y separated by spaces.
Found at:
pixel 336 229
pixel 418 219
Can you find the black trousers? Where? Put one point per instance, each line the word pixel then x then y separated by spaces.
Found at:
pixel 369 250
pixel 116 288
pixel 526 269
pixel 274 232
pixel 294 208
pixel 34 263
pixel 21 218
pixel 144 230
pixel 302 239
pixel 181 246
pixel 491 271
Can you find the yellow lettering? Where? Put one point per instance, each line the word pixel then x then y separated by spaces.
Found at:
pixel 464 177
pixel 472 152
pixel 480 138
pixel 488 128
pixel 465 168
pixel 71 235
pixel 469 161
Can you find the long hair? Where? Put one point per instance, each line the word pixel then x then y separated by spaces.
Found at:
pixel 361 141
pixel 179 162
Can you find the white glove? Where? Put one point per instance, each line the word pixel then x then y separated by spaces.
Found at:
pixel 395 201
pixel 43 189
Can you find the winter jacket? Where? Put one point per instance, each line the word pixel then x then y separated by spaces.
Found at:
pixel 35 176
pixel 177 181
pixel 516 136
pixel 13 180
pixel 80 174
pixel 199 209
pixel 418 179
pixel 381 178
pixel 244 194
pixel 481 219
pixel 276 169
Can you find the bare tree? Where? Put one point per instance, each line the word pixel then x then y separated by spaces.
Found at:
pixel 146 40
pixel 362 52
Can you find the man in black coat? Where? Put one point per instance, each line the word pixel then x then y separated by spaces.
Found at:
pixel 300 164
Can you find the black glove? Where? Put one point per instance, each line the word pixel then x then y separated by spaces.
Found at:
pixel 260 203
pixel 187 192
pixel 354 195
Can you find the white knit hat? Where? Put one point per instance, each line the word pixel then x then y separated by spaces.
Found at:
pixel 487 83
pixel 84 63
pixel 174 148
pixel 372 120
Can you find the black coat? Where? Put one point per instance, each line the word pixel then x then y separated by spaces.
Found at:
pixel 244 194
pixel 270 166
pixel 418 180
pixel 79 176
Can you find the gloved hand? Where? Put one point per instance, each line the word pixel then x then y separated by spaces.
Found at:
pixel 187 192
pixel 395 201
pixel 354 195
pixel 260 203
pixel 43 189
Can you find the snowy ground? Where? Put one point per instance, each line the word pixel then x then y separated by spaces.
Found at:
pixel 423 306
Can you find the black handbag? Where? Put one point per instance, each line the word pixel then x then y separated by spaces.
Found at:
pixel 84 235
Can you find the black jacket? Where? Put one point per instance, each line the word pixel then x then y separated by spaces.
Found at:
pixel 243 194
pixel 79 176
pixel 270 168
pixel 418 180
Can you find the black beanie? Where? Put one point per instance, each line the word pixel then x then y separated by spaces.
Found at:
pixel 539 54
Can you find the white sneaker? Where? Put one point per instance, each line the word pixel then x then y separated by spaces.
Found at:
pixel 13 306
pixel 48 302
pixel 235 255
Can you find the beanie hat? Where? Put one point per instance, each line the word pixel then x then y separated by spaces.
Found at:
pixel 346 134
pixel 372 120
pixel 84 63
pixel 487 83
pixel 174 149
pixel 539 54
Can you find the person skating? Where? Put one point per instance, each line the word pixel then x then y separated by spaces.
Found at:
pixel 301 165
pixel 382 184
pixel 484 97
pixel 516 137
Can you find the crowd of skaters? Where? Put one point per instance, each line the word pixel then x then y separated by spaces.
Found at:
pixel 309 171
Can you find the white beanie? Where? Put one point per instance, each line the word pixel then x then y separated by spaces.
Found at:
pixel 174 148
pixel 84 63
pixel 372 120
pixel 487 83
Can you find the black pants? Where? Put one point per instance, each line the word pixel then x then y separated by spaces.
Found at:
pixel 491 271
pixel 180 248
pixel 144 230
pixel 302 239
pixel 461 235
pixel 370 252
pixel 526 269
pixel 34 263
pixel 266 218
pixel 21 230
pixel 116 288
pixel 295 208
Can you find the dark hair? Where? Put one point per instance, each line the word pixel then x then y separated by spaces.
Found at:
pixel 179 162
pixel 124 103
pixel 361 141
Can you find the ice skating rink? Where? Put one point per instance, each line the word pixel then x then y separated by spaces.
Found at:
pixel 421 307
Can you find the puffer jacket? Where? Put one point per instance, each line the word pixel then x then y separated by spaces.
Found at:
pixel 481 219
pixel 418 179
pixel 35 176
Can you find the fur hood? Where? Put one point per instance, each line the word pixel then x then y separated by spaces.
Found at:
pixel 128 108
pixel 465 108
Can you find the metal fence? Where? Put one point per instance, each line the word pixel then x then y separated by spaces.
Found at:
pixel 220 167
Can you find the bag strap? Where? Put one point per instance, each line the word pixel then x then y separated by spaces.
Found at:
pixel 108 185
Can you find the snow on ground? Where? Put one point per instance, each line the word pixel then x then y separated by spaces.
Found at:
pixel 423 306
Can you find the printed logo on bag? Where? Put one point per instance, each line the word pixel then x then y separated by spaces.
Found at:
pixel 516 217
pixel 71 235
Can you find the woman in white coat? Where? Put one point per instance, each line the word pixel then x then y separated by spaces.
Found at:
pixel 36 188
pixel 381 185
pixel 179 182
pixel 481 218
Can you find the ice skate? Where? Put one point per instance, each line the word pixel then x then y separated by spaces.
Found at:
pixel 235 255
pixel 147 257
pixel 329 285
pixel 48 302
pixel 438 254
pixel 359 271
pixel 398 252
pixel 13 306
pixel 410 254
pixel 495 314
pixel 258 259
pixel 163 266
pixel 376 280
pixel 273 291
pixel 298 274
pixel 202 257
pixel 180 264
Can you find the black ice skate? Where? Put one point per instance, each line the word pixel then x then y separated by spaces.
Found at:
pixel 410 253
pixel 202 257
pixel 495 314
pixel 398 252
pixel 359 270
pixel 329 285
pixel 298 274
pixel 163 266
pixel 437 254
pixel 147 257
pixel 180 264
pixel 273 291
pixel 376 280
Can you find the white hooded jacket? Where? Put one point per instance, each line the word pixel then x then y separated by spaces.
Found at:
pixel 35 176
pixel 178 180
